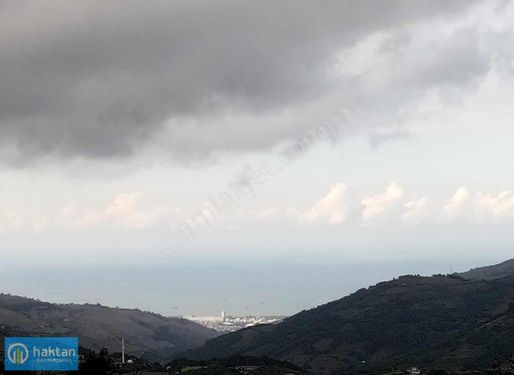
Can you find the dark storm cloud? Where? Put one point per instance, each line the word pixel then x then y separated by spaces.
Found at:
pixel 97 79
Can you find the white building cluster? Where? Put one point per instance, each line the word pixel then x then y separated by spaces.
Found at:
pixel 226 323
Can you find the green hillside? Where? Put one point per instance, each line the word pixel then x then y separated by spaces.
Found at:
pixel 434 321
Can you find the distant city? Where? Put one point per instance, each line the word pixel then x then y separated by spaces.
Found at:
pixel 227 323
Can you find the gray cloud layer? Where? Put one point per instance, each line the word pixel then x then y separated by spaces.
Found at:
pixel 98 79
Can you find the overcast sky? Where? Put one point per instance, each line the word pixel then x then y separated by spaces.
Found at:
pixel 136 131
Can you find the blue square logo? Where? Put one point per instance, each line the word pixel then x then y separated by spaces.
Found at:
pixel 41 353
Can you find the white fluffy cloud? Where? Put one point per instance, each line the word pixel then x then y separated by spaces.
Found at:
pixel 124 210
pixel 123 204
pixel 499 206
pixel 394 203
pixel 332 208
pixel 378 204
pixel 458 203
pixel 480 206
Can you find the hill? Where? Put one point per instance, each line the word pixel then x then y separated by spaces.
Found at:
pixel 98 326
pixel 439 321
pixel 487 345
pixel 493 272
pixel 235 366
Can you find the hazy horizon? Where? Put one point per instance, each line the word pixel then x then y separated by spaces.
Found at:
pixel 189 287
